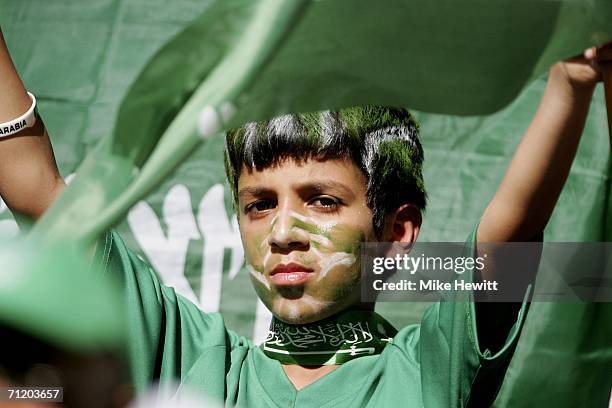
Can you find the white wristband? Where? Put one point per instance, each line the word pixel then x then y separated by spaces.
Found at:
pixel 26 120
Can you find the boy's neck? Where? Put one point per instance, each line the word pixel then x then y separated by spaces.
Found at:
pixel 301 376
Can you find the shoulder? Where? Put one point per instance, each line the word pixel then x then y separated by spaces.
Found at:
pixel 406 342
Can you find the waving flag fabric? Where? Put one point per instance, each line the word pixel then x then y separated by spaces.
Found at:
pixel 242 60
pixel 453 57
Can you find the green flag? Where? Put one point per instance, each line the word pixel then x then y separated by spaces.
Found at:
pixel 243 60
pixel 325 62
pixel 53 293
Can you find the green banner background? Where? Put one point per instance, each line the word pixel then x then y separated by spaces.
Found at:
pixel 80 61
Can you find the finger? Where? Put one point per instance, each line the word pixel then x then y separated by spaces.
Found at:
pixel 590 53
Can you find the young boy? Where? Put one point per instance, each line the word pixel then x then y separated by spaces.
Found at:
pixel 309 189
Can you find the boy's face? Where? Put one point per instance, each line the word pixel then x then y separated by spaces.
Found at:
pixel 301 225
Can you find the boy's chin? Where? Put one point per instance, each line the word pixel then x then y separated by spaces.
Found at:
pixel 305 318
pixel 303 311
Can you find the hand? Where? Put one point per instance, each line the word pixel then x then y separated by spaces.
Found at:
pixel 584 71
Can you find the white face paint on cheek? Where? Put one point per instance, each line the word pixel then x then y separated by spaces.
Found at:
pixel 265 243
pixel 309 220
pixel 322 252
pixel 321 240
pixel 266 257
pixel 328 262
pixel 258 276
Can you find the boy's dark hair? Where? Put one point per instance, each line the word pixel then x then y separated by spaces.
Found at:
pixel 382 141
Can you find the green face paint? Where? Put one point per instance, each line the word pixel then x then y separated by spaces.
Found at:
pixel 330 250
pixel 333 243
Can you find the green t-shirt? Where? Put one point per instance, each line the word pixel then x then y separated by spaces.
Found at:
pixel 435 364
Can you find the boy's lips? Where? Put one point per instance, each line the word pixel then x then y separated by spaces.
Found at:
pixel 290 274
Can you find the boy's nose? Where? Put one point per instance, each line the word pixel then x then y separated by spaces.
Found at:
pixel 285 234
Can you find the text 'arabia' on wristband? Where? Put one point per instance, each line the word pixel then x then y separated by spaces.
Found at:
pixel 24 121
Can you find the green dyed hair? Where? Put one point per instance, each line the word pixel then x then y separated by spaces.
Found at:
pixel 382 141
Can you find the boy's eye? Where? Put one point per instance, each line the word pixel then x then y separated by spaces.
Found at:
pixel 326 203
pixel 259 207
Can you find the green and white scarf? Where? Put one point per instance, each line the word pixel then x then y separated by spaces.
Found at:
pixel 331 341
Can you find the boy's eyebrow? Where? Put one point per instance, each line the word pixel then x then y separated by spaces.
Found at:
pixel 255 191
pixel 316 185
pixel 326 185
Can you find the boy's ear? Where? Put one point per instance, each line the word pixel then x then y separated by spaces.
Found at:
pixel 404 224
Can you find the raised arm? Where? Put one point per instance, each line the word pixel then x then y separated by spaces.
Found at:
pixel 29 179
pixel 533 182
pixel 528 193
